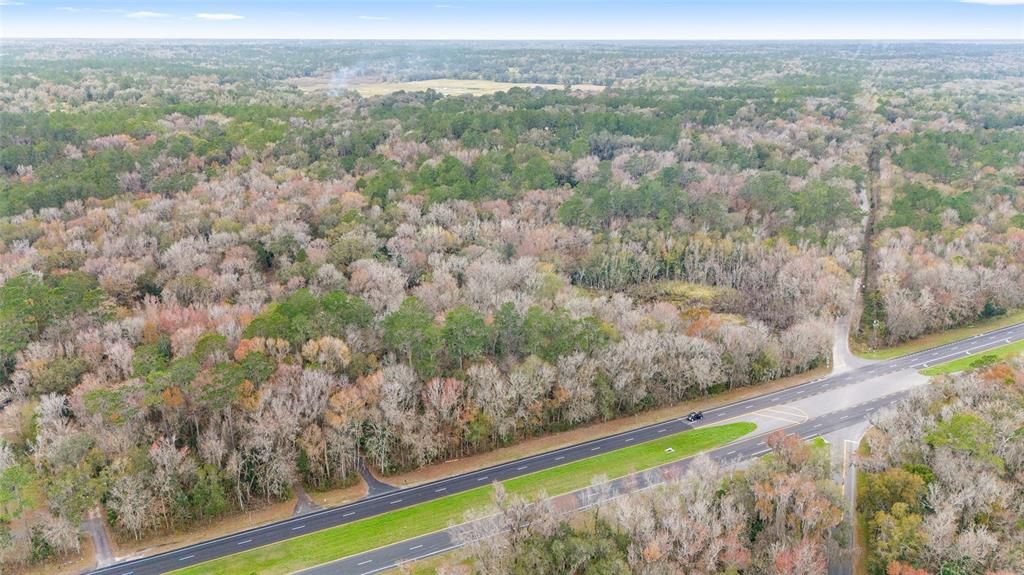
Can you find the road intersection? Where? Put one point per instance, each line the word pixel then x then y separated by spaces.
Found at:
pixel 811 409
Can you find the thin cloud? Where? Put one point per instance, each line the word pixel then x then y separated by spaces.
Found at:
pixel 10 3
pixel 218 16
pixel 995 2
pixel 443 6
pixel 374 18
pixel 146 14
pixel 69 9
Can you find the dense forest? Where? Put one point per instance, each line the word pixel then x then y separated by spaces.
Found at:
pixel 944 481
pixel 216 285
pixel 782 514
pixel 940 492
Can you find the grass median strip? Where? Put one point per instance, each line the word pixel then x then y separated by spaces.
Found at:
pixel 386 528
pixel 977 360
pixel 577 475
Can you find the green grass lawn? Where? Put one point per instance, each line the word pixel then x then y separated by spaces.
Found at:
pixel 337 542
pixel 577 475
pixel 972 361
pixel 935 339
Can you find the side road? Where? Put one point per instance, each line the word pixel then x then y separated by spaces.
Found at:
pixel 371 506
pixel 810 394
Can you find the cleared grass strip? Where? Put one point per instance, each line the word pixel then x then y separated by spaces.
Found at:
pixel 977 360
pixel 577 475
pixel 342 541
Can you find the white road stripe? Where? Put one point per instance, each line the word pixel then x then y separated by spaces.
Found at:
pixel 415 547
pixel 365 562
pixel 394 502
pixel 984 342
pixel 440 490
pixel 240 543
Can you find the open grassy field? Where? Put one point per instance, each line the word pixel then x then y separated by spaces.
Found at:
pixel 373 532
pixel 679 292
pixel 935 339
pixel 978 360
pixel 446 86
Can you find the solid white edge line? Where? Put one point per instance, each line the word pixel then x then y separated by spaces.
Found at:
pixel 547 454
pixel 451 547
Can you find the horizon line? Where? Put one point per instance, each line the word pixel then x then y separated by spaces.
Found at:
pixel 611 40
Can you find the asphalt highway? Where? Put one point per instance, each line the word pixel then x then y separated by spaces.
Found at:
pixel 385 557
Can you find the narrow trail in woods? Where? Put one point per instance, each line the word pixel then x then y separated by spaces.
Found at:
pixel 870 203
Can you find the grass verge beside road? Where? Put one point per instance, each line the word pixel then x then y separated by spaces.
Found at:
pixel 342 541
pixel 944 337
pixel 578 474
pixel 978 360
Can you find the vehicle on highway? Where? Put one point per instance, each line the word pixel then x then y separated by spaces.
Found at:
pixel 695 416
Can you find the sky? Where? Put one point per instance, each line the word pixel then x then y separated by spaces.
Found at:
pixel 517 19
